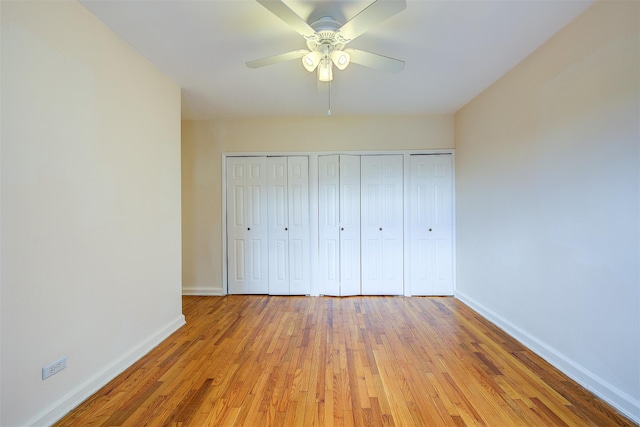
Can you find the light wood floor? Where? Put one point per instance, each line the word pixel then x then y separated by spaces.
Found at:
pixel 304 361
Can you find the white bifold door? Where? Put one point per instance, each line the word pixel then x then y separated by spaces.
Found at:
pixel 268 225
pixel 363 209
pixel 339 224
pixel 288 218
pixel 247 233
pixel 431 224
pixel 382 221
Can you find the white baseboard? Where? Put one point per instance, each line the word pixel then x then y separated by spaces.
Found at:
pixel 202 291
pixel 622 401
pixel 79 394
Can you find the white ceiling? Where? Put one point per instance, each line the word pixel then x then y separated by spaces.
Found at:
pixel 453 51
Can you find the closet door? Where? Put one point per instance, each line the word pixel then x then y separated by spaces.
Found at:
pixel 278 220
pixel 431 224
pixel 339 224
pixel 288 219
pixel 247 225
pixel 299 227
pixel 350 225
pixel 382 225
pixel 329 224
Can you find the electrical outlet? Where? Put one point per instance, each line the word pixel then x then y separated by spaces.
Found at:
pixel 54 368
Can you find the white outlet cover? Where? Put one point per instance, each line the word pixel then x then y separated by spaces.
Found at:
pixel 54 367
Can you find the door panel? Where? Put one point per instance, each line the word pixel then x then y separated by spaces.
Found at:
pixel 372 238
pixel 328 227
pixel 298 225
pixel 393 225
pixel 431 225
pixel 237 261
pixel 288 216
pixel 382 225
pixel 246 225
pixel 339 224
pixel 278 219
pixel 350 225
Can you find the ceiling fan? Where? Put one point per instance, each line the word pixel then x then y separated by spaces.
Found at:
pixel 326 39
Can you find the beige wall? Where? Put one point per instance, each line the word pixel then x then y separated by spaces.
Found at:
pixel 90 214
pixel 203 143
pixel 548 191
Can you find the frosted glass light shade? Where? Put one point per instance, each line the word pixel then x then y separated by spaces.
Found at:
pixel 325 70
pixel 311 60
pixel 341 59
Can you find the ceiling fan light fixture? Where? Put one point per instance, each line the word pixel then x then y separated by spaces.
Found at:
pixel 311 60
pixel 325 70
pixel 341 59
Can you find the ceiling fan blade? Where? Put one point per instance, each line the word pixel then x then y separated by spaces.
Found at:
pixel 284 12
pixel 373 60
pixel 257 63
pixel 372 15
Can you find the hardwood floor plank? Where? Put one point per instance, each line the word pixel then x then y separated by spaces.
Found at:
pixel 292 361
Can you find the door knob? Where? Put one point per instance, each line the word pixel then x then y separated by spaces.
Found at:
pixel 249 228
pixel 285 229
pixel 342 229
pixel 429 229
pixel 380 228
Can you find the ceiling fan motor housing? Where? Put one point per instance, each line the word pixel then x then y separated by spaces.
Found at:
pixel 326 39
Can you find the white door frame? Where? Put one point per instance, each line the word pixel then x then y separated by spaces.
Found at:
pixel 313 208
